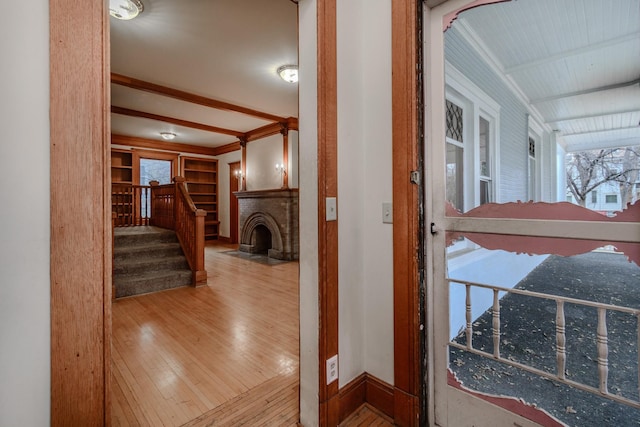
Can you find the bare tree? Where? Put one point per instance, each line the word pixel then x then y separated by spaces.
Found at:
pixel 587 170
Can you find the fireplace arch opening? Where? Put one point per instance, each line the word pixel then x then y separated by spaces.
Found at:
pixel 275 210
pixel 261 235
pixel 261 240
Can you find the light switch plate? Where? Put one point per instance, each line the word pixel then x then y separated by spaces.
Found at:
pixel 387 213
pixel 332 369
pixel 332 209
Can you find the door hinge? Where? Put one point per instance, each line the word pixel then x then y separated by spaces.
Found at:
pixel 415 177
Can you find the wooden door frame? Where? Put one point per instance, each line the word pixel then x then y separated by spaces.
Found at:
pixel 233 202
pixel 80 176
pixel 81 244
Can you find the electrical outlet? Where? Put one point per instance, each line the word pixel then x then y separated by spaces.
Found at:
pixel 332 369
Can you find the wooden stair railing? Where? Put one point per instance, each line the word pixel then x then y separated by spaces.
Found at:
pixel 130 204
pixel 173 208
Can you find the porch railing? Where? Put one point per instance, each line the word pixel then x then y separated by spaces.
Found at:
pixel 602 338
pixel 167 206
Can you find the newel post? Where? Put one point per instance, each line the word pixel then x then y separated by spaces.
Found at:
pixel 154 184
pixel 200 274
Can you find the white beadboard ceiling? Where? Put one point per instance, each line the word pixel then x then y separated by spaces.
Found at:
pixel 576 61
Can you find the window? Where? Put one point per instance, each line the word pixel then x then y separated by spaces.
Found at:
pixel 455 157
pixel 471 131
pixel 531 171
pixel 485 161
pixel 155 170
pixel 611 198
pixel 594 197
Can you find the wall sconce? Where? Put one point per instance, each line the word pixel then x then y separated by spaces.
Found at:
pixel 280 168
pixel 238 174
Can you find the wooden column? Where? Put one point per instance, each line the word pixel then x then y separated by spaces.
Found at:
pixel 327 187
pixel 285 156
pixel 80 214
pixel 243 163
pixel 405 95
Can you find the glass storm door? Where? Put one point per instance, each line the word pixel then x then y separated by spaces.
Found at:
pixel 533 307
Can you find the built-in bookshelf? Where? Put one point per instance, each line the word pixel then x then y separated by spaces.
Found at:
pixel 121 173
pixel 201 176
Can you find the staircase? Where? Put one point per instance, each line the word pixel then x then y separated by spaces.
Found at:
pixel 147 259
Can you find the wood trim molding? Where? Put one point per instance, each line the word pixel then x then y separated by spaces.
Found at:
pixel 80 257
pixel 366 388
pixel 175 147
pixel 228 148
pixel 329 409
pixel 142 85
pixel 224 239
pixel 407 378
pixel 353 395
pixel 173 120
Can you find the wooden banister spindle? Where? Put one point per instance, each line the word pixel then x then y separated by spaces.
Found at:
pixel 561 350
pixel 603 350
pixel 468 316
pixel 496 324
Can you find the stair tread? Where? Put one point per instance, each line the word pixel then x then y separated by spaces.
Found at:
pixel 134 248
pixel 158 274
pixel 148 260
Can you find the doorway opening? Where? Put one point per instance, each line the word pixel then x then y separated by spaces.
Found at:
pixel 198 354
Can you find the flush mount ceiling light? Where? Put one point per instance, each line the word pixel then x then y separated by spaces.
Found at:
pixel 289 73
pixel 125 9
pixel 167 135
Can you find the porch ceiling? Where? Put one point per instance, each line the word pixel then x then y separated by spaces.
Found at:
pixel 577 62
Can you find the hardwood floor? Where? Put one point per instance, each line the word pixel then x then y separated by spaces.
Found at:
pixel 223 354
pixel 366 416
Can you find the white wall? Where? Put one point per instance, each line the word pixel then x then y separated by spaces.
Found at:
pixel 293 158
pixel 262 156
pixel 378 244
pixel 307 61
pixel 24 216
pixel 351 190
pixel 364 182
pixel 223 191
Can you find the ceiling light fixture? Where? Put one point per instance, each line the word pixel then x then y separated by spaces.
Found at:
pixel 125 9
pixel 289 73
pixel 167 135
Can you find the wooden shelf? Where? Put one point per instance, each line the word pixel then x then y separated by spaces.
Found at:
pixel 201 177
pixel 121 173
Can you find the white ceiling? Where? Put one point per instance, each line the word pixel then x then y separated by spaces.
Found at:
pixel 228 50
pixel 566 57
pixel 576 61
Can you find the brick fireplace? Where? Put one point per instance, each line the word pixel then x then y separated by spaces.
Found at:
pixel 269 222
